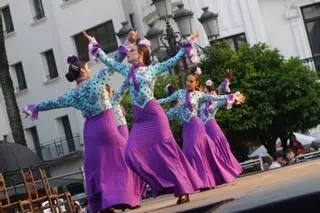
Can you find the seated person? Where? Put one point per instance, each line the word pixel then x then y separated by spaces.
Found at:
pixel 295 145
pixel 278 162
pixel 290 155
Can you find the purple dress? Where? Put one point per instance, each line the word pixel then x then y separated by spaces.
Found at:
pixel 109 180
pixel 197 145
pixel 207 114
pixel 152 151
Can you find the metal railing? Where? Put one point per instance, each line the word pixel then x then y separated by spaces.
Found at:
pixel 252 165
pixel 313 63
pixel 59 148
pixel 308 156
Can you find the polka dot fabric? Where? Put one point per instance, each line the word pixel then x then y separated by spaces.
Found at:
pixel 196 98
pixel 145 75
pixel 91 99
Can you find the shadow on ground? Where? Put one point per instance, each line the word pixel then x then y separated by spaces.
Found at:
pixel 208 208
pixel 304 203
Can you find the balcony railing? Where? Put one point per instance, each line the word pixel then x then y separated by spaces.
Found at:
pixel 59 148
pixel 313 63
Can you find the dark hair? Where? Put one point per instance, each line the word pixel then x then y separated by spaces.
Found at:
pixel 108 88
pixel 170 89
pixel 197 77
pixel 74 68
pixel 142 49
pixel 210 88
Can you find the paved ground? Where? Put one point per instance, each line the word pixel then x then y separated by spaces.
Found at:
pixel 247 192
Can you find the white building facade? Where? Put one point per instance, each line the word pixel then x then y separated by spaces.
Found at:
pixel 44 33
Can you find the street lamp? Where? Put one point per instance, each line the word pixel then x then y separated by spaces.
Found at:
pixel 168 43
pixel 124 31
pixel 153 34
pixel 164 8
pixel 183 18
pixel 209 21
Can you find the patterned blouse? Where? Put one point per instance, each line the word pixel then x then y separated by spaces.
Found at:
pixel 196 98
pixel 117 108
pixel 144 75
pixel 208 110
pixel 91 98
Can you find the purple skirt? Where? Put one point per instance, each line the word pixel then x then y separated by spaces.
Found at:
pixel 202 155
pixel 109 180
pixel 153 153
pixel 223 148
pixel 124 131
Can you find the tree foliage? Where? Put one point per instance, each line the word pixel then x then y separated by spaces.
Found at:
pixel 282 95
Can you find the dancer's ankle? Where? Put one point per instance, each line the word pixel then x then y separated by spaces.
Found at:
pixel 183 199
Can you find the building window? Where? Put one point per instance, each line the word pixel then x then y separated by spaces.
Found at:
pixel 22 84
pixel 311 17
pixel 38 9
pixel 66 132
pixel 32 134
pixel 51 64
pixel 7 19
pixel 132 20
pixel 104 33
pixel 235 41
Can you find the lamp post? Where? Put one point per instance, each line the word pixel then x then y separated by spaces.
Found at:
pixel 166 43
pixel 123 32
pixel 209 21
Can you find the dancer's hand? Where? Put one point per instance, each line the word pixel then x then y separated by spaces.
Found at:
pixel 91 39
pixel 194 36
pixel 229 74
pixel 27 113
pixel 240 99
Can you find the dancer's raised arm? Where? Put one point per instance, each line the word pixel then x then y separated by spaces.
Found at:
pixel 173 97
pixel 95 52
pixel 230 99
pixel 64 101
pixel 188 49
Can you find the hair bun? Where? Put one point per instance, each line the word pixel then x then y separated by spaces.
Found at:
pixel 209 83
pixel 72 59
pixel 196 70
pixel 69 77
pixel 144 42
pixel 170 88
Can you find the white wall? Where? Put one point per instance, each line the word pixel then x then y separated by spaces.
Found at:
pixel 55 31
pixel 285 31
pixel 63 168
pixel 235 16
pixel 4 130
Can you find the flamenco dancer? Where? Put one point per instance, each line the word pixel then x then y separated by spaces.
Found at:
pixel 207 113
pixel 110 182
pixel 119 111
pixel 151 151
pixel 197 146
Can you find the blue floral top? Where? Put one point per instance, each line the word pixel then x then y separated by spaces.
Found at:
pixel 145 76
pixel 208 110
pixel 195 97
pixel 91 98
pixel 117 108
pixel 173 113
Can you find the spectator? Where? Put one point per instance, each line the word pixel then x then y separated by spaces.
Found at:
pixel 278 162
pixel 78 207
pixel 295 145
pixel 290 155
